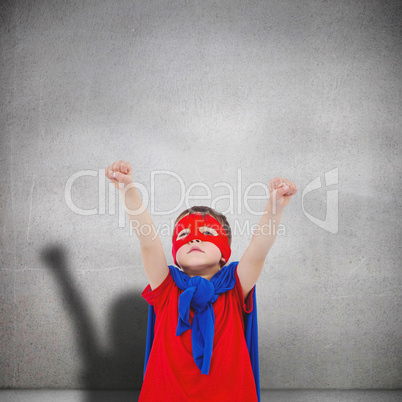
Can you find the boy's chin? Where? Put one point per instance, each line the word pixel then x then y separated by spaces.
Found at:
pixel 193 267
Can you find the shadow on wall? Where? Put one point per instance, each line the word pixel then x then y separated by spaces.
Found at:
pixel 122 366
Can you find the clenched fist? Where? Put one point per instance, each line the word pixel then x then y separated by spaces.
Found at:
pixel 120 172
pixel 280 192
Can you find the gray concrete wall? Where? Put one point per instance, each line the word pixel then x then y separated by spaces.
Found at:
pixel 224 93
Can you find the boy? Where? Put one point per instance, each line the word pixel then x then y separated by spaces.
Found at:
pixel 211 361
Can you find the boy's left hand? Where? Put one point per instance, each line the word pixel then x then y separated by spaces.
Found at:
pixel 279 195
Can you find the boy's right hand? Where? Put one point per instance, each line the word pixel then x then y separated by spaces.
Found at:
pixel 120 172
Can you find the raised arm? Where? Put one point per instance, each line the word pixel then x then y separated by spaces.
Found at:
pixel 251 263
pixel 153 256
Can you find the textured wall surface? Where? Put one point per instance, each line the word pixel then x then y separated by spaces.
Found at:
pixel 210 99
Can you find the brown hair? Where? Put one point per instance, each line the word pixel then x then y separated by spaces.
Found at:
pixel 209 211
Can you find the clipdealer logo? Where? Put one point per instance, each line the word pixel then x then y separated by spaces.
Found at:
pixel 329 224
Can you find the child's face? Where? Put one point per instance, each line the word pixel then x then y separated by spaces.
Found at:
pixel 205 261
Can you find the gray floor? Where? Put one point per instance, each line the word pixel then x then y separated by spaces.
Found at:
pixel 271 396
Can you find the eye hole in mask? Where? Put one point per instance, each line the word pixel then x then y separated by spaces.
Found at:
pixel 183 233
pixel 208 230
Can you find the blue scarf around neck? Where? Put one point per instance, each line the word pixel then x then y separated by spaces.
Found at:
pixel 200 294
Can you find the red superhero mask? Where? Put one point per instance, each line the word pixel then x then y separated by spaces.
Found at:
pixel 193 223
